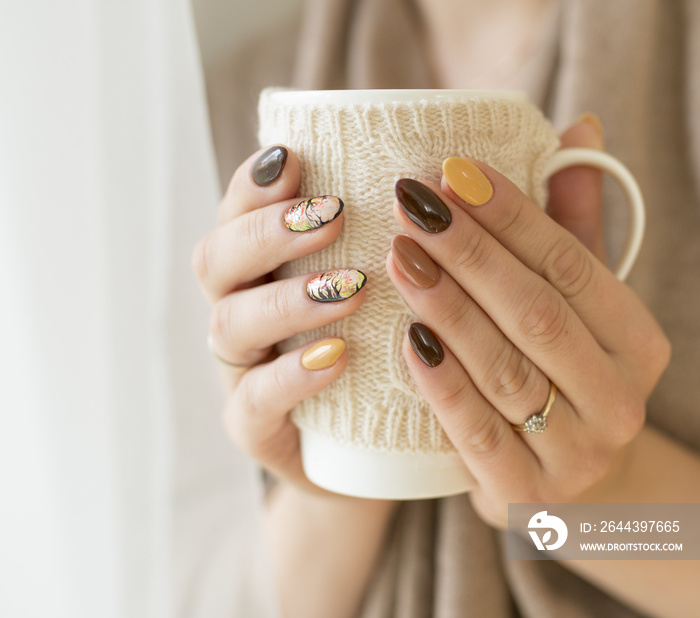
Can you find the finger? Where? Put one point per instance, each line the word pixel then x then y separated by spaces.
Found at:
pixel 270 175
pixel 609 309
pixel 256 416
pixel 576 193
pixel 506 378
pixel 527 309
pixel 257 242
pixel 510 381
pixel 246 324
pixel 490 448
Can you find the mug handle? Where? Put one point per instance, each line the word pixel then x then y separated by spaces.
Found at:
pixel 568 157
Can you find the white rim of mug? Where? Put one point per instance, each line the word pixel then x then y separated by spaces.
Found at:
pixel 355 97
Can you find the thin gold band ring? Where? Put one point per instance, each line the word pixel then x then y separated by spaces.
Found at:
pixel 537 423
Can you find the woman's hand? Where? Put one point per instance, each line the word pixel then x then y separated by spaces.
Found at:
pixel 262 225
pixel 515 301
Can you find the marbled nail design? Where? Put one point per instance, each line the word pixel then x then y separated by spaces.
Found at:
pixel 313 213
pixel 335 285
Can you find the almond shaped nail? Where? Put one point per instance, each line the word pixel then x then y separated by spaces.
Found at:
pixel 594 120
pixel 269 165
pixel 425 344
pixel 422 206
pixel 467 181
pixel 414 263
pixel 335 285
pixel 313 213
pixel 323 354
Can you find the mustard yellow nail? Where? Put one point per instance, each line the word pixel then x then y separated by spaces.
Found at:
pixel 594 121
pixel 467 181
pixel 323 354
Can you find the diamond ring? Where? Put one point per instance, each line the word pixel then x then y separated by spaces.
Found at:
pixel 537 423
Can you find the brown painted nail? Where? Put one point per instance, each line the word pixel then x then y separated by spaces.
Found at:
pixel 425 344
pixel 423 206
pixel 414 263
pixel 269 165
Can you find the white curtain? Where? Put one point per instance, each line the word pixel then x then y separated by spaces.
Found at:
pixel 120 496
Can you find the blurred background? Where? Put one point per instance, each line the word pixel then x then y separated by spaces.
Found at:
pixel 224 25
pixel 120 494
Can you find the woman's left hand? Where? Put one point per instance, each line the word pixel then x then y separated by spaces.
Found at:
pixel 516 302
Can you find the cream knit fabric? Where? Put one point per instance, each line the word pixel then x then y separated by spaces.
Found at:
pixel 357 152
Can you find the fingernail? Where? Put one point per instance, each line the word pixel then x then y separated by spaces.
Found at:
pixel 594 121
pixel 425 344
pixel 422 206
pixel 323 354
pixel 335 285
pixel 269 166
pixel 467 181
pixel 313 213
pixel 414 263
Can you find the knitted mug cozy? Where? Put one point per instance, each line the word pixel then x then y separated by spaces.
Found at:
pixel 357 152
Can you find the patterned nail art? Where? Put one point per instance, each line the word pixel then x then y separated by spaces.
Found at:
pixel 335 285
pixel 313 213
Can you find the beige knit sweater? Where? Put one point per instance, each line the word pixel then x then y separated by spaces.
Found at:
pixel 637 64
pixel 358 152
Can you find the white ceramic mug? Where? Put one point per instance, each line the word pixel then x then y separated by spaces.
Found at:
pixel 370 433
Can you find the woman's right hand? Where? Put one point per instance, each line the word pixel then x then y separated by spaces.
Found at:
pixel 251 312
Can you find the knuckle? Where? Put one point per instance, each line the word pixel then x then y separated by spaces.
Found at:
pixel 514 376
pixel 257 233
pixel 485 436
pixel 247 399
pixel 454 312
pixel 253 423
pixel 452 397
pixel 474 252
pixel 221 320
pixel 545 319
pixel 279 381
pixel 507 224
pixel 277 304
pixel 569 267
pixel 202 258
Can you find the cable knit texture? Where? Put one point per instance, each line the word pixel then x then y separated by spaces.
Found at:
pixel 357 152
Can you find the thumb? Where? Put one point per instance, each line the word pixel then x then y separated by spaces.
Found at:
pixel 576 193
